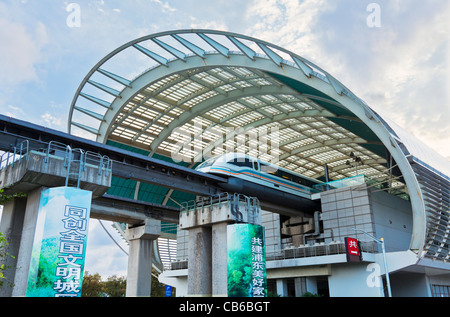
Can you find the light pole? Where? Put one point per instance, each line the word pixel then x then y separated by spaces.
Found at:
pixel 380 241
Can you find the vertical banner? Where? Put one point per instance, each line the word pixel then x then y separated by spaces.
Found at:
pixel 246 261
pixel 59 248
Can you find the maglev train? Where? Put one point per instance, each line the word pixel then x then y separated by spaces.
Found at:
pixel 271 184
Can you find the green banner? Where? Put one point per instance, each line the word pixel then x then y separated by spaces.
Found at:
pixel 57 264
pixel 246 261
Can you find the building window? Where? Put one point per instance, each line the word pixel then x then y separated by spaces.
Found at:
pixel 440 290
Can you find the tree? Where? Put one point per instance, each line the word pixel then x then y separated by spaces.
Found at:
pixel 3 254
pixel 92 285
pixel 3 242
pixel 5 198
pixel 3 245
pixel 157 288
pixel 115 286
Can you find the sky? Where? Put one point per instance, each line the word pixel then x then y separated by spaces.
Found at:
pixel 393 54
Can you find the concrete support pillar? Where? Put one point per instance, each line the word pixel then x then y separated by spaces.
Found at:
pixel 200 258
pixel 11 226
pixel 219 260
pixel 282 289
pixel 139 275
pixel 305 284
pixel 207 242
pixel 300 286
pixel 26 242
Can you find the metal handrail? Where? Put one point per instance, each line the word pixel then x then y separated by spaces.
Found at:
pixel 85 157
pixel 233 201
pixel 318 249
pixel 20 150
pixel 58 149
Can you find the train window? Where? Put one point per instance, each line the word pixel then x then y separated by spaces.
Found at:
pixel 255 165
pixel 283 174
pixel 207 163
pixel 265 168
pixel 241 162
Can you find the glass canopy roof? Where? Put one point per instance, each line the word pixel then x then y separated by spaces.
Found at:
pixel 306 138
pixel 192 94
pixel 206 108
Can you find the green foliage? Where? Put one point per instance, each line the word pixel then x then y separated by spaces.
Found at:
pixel 3 242
pixel 5 198
pixel 92 285
pixel 157 288
pixel 114 286
pixel 3 246
pixel 240 271
pixel 309 294
pixel 3 254
pixel 47 255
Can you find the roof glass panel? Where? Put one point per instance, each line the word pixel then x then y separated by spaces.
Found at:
pixel 306 141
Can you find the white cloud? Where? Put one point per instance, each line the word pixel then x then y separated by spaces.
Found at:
pixel 400 69
pixel 165 6
pixel 21 50
pixel 288 23
pixel 16 112
pixel 213 25
pixel 408 73
pixel 51 121
pixel 103 256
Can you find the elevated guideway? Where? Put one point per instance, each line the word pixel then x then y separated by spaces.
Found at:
pixel 130 165
pixel 275 200
pixel 126 164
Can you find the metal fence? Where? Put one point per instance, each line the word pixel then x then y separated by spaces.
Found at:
pixel 242 207
pixel 304 251
pixel 16 154
pixel 317 249
pixel 74 160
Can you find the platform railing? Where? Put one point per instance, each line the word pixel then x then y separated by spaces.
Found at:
pixel 317 249
pixel 74 160
pixel 239 205
pixel 16 155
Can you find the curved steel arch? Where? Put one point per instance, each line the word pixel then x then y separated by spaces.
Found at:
pixel 237 52
pixel 308 68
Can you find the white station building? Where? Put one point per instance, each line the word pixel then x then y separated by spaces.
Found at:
pixel 192 94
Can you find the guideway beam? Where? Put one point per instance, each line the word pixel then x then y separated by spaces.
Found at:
pixel 126 164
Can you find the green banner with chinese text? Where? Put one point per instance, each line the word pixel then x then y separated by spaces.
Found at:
pixel 246 261
pixel 59 248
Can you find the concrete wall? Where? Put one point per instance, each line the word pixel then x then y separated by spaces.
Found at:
pixel 182 244
pixel 355 280
pixel 393 220
pixel 271 223
pixel 407 284
pixel 344 209
pixel 376 212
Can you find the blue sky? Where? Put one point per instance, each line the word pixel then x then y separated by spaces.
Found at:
pixel 400 68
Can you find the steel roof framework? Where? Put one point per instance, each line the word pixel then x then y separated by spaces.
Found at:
pixel 219 99
pixel 205 89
